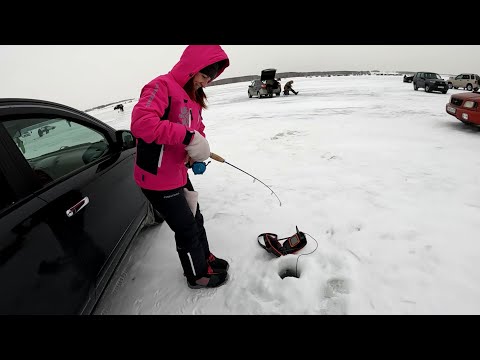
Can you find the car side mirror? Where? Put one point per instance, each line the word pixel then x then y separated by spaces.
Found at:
pixel 125 139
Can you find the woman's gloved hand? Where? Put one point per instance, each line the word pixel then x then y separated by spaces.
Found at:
pixel 198 149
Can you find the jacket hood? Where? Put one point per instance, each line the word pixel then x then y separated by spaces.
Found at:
pixel 195 58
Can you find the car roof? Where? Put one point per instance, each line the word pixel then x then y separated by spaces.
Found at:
pixel 19 102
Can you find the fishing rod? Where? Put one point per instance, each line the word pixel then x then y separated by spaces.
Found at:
pixel 200 167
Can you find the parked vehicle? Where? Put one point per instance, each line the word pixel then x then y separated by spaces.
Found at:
pixel 429 81
pixel 266 86
pixel 407 78
pixel 69 207
pixel 465 107
pixel 466 81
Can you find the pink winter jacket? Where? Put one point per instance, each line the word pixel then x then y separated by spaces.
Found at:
pixel 163 115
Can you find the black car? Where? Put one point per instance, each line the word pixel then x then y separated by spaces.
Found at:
pixel 407 78
pixel 69 207
pixel 429 81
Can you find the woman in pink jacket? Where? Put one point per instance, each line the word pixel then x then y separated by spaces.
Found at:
pixel 167 122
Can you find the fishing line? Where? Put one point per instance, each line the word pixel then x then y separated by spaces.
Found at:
pixel 311 252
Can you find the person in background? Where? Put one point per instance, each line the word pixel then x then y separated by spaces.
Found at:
pixel 168 123
pixel 288 87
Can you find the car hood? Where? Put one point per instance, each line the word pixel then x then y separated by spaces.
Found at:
pixel 268 74
pixel 468 96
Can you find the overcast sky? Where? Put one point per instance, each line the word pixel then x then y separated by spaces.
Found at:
pixel 86 76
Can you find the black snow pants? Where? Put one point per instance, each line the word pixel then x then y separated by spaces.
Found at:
pixel 190 234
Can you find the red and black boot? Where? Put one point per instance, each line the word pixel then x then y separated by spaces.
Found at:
pixel 211 279
pixel 217 264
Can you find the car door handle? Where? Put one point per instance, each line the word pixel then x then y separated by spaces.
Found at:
pixel 77 207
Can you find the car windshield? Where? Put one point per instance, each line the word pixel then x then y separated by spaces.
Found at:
pixel 432 76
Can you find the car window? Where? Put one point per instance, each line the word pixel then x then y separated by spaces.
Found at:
pixel 56 147
pixel 466 76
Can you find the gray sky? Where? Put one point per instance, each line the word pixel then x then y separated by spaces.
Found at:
pixel 85 76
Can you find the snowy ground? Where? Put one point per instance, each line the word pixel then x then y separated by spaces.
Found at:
pixel 379 174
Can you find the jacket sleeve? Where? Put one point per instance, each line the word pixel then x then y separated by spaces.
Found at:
pixel 147 113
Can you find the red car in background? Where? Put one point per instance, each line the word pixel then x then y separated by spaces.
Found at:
pixel 465 107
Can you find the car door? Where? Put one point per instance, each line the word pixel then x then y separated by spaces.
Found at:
pixel 32 278
pixel 251 88
pixel 419 80
pixel 75 204
pixel 458 81
pixel 465 80
pixel 256 87
pixel 422 80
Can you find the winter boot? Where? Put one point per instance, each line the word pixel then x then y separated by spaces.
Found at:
pixel 211 279
pixel 217 264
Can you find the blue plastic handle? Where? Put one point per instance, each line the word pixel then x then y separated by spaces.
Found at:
pixel 199 168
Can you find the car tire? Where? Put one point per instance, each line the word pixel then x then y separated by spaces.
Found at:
pixel 249 95
pixel 259 96
pixel 427 88
pixel 450 85
pixel 415 87
pixel 469 87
